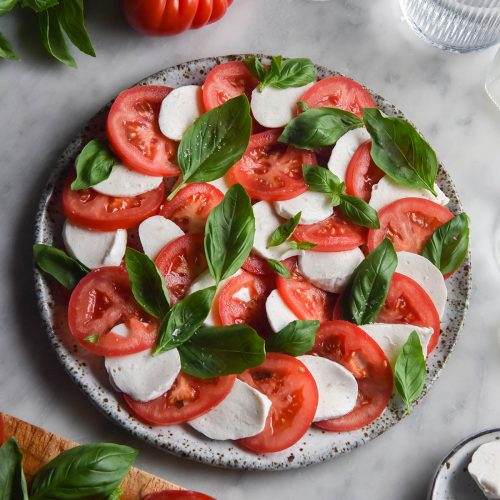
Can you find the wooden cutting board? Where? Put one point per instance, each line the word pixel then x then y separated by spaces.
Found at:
pixel 39 447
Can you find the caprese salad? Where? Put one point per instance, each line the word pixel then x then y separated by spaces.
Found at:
pixel 292 255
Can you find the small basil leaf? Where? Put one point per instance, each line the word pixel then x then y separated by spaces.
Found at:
pixel 38 5
pixel 53 37
pixel 84 471
pixel 147 283
pixel 279 268
pixel 94 165
pixel 92 339
pixel 294 339
pixel 70 15
pixel 6 50
pixel 410 370
pixel 284 231
pixel 400 151
pixel 359 212
pixel 115 494
pixel 12 480
pixel 302 106
pixel 225 350
pixel 301 245
pixel 255 67
pixel 322 180
pixel 288 73
pixel 229 233
pixel 6 6
pixel 447 247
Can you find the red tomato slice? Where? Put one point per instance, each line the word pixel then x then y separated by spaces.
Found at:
pixel 334 234
pixel 178 494
pixel 2 432
pixel 362 173
pixel 102 300
pixel 339 92
pixel 180 262
pixel 270 170
pixel 135 135
pixel 294 397
pixel 190 207
pixel 408 223
pixel 345 343
pixel 257 265
pixel 188 398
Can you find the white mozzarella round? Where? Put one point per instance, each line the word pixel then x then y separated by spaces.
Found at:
pixel 220 184
pixel 179 110
pixel 485 469
pixel 314 206
pixel 142 376
pixel 278 313
pixel 95 248
pixel 427 275
pixel 276 107
pixel 337 387
pixel 330 271
pixel 155 232
pixel 241 414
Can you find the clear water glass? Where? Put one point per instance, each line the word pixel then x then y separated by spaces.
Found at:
pixel 455 25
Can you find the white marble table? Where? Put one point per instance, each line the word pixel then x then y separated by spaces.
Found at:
pixel 43 104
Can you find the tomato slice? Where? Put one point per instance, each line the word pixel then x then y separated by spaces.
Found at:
pixel 362 173
pixel 339 92
pixel 188 398
pixel 135 135
pixel 334 234
pixel 345 343
pixel 178 494
pixel 180 262
pixel 408 223
pixel 102 300
pixel 270 170
pixel 226 81
pixel 190 207
pixel 257 265
pixel 294 397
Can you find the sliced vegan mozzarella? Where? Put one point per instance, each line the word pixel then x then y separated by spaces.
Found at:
pixel 95 248
pixel 155 232
pixel 142 376
pixel 276 107
pixel 220 184
pixel 330 271
pixel 314 206
pixel 337 387
pixel 179 110
pixel 485 468
pixel 427 275
pixel 386 191
pixel 278 313
pixel 241 414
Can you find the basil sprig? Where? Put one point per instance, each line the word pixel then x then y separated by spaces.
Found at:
pixel 410 370
pixel 6 49
pixel 12 480
pixel 279 268
pixel 294 339
pixel 284 231
pixel 447 247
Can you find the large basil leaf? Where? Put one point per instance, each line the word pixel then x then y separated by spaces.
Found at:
pixel 12 480
pixel 294 339
pixel 53 37
pixel 6 6
pixel 70 15
pixel 6 50
pixel 358 211
pixel 283 232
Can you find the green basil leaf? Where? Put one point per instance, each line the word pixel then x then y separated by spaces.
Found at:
pixel 322 180
pixel 294 339
pixel 70 15
pixel 147 283
pixel 224 350
pixel 83 471
pixel 229 233
pixel 115 494
pixel 359 212
pixel 279 268
pixel 283 232
pixel 288 73
pixel 410 370
pixel 6 6
pixel 302 106
pixel 12 480
pixel 94 165
pixel 319 127
pixel 38 5
pixel 370 283
pixel 255 67
pixel 92 339
pixel 184 319
pixel 400 151
pixel 6 50
pixel 301 245
pixel 56 263
pixel 53 37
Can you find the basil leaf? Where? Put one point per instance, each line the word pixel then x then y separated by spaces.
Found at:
pixel 400 151
pixel 115 494
pixel 70 16
pixel 302 106
pixel 224 350
pixel 83 471
pixel 322 180
pixel 184 319
pixel 53 37
pixel 319 127
pixel 38 5
pixel 92 339
pixel 370 283
pixel 448 245
pixel 12 480
pixel 229 233
pixel 301 245
pixel 359 212
pixel 7 6
pixel 288 73
pixel 94 165
pixel 279 268
pixel 255 67
pixel 284 231
pixel 6 50
pixel 147 283
pixel 294 339
pixel 410 370
pixel 56 263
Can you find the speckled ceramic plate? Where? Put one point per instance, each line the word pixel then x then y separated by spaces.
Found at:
pixel 88 371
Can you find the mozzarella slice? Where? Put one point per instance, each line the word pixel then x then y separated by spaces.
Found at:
pixel 485 469
pixel 122 330
pixel 337 387
pixel 427 275
pixel 278 313
pixel 391 338
pixel 142 376
pixel 95 248
pixel 314 206
pixel 276 107
pixel 179 110
pixel 241 414
pixel 386 191
pixel 220 184
pixel 330 271
pixel 155 232
pixel 344 150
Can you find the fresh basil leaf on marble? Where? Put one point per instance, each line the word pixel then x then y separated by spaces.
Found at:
pixel 255 67
pixel 12 481
pixel 71 18
pixel 294 339
pixel 301 245
pixel 358 211
pixel 6 50
pixel 284 231
pixel 279 268
pixel 53 37
pixel 321 180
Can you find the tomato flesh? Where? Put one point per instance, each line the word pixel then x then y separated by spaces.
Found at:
pixel 257 265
